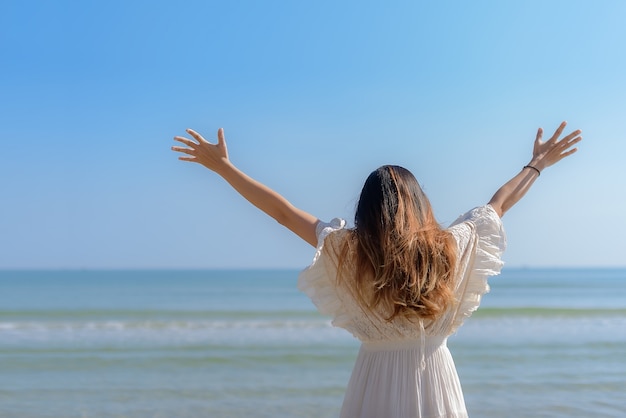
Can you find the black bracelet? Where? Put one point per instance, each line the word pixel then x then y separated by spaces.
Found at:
pixel 534 168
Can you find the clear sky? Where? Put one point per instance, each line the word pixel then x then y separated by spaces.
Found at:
pixel 312 96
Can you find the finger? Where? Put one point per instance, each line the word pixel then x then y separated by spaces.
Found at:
pixel 572 135
pixel 570 152
pixel 558 131
pixel 183 158
pixel 564 145
pixel 564 149
pixel 220 136
pixel 185 141
pixel 539 134
pixel 196 136
pixel 184 150
pixel 573 141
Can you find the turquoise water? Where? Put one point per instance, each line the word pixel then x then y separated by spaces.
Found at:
pixel 545 343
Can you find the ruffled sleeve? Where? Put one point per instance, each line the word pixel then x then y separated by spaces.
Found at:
pixel 319 280
pixel 481 241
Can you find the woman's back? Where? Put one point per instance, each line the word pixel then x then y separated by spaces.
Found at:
pixel 404 368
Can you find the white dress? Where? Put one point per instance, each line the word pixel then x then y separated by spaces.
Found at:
pixel 403 369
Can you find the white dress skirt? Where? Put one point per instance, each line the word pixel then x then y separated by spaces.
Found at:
pixel 404 368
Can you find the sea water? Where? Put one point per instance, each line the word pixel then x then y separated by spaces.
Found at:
pixel 545 343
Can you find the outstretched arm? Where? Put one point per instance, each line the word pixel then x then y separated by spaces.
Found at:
pixel 215 158
pixel 545 154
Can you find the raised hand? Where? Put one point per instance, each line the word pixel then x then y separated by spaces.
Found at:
pixel 554 149
pixel 544 155
pixel 212 156
pixel 215 158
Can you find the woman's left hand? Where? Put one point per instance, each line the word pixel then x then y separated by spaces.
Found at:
pixel 554 149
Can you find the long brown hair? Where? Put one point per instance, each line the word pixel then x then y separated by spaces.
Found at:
pixel 403 260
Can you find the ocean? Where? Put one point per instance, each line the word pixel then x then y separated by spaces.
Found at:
pixel 545 343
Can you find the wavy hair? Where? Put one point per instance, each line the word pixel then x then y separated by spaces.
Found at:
pixel 401 259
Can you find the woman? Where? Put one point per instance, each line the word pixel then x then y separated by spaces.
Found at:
pixel 397 281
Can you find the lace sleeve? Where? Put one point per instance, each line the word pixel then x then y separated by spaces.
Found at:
pixel 319 282
pixel 481 242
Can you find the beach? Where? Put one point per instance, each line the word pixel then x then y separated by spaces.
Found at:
pixel 247 343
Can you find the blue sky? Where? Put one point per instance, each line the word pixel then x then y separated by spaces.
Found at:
pixel 312 97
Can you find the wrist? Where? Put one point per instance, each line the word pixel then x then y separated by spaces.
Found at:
pixel 221 167
pixel 536 163
pixel 532 168
pixel 225 168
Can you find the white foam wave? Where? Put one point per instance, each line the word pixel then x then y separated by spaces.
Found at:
pixel 167 332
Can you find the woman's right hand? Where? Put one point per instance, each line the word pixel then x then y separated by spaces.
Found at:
pixel 554 149
pixel 212 156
